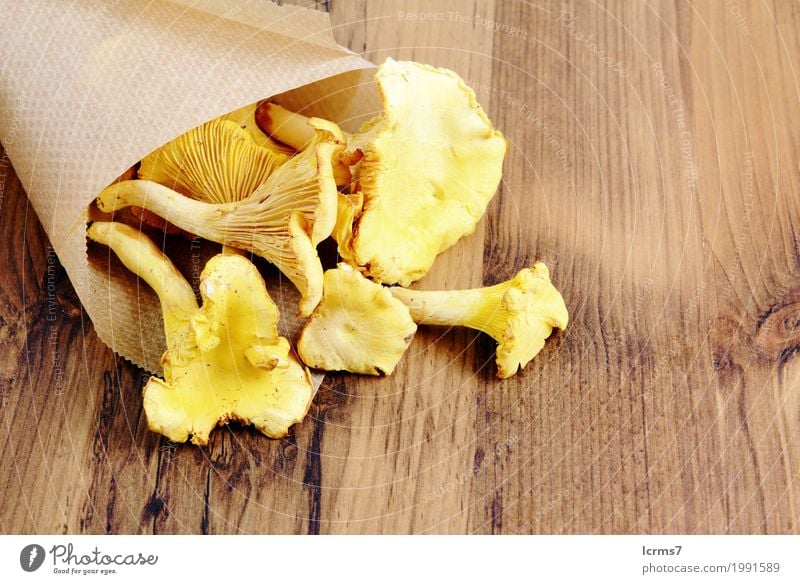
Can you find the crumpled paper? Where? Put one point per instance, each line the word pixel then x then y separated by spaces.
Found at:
pixel 90 87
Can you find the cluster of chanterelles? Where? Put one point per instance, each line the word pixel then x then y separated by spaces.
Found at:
pixel 407 186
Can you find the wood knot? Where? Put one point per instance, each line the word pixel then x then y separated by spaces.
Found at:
pixel 729 341
pixel 778 331
pixel 286 455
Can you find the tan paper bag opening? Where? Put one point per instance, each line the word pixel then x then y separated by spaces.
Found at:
pixel 90 88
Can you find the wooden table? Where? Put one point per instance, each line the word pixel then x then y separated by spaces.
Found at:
pixel 653 165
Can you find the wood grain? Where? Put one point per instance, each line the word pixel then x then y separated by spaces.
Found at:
pixel 652 165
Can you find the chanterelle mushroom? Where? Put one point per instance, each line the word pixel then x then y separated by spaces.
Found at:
pixel 282 221
pixel 216 162
pixel 519 314
pixel 358 326
pixel 224 360
pixel 429 165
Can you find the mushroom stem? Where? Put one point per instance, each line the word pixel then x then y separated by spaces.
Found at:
pixel 269 227
pixel 196 217
pixel 138 253
pixel 477 308
pixel 285 126
pixel 519 314
pixel 297 131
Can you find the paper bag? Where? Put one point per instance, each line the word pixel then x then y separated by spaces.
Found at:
pixel 90 87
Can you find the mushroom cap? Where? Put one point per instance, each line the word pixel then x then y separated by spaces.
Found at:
pixel 531 308
pixel 216 162
pixel 241 368
pixel 358 326
pixel 431 164
pixel 283 220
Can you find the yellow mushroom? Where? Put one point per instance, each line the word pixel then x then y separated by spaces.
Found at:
pixel 224 360
pixel 425 170
pixel 358 326
pixel 519 314
pixel 216 162
pixel 283 220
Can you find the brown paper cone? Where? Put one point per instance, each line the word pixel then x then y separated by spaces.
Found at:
pixel 89 88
